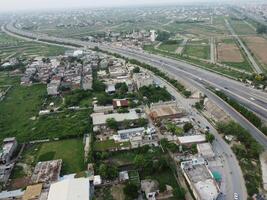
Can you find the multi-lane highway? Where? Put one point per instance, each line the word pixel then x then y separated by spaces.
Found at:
pixel 255 100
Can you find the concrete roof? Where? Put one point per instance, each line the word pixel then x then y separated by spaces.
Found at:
pixel 207 189
pixel 101 118
pixel 192 139
pixel 70 189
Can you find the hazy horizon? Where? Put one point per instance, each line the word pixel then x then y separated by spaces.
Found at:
pixel 17 5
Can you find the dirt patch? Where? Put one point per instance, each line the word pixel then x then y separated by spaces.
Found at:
pixel 19 183
pixel 229 53
pixel 117 192
pixel 258 46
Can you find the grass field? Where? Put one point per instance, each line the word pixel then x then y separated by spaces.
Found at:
pixel 19 115
pixel 70 151
pixel 11 47
pixel 202 51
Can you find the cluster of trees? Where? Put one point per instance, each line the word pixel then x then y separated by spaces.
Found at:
pixel 200 105
pixel 155 94
pixel 253 118
pixel 187 127
pixel 104 99
pixel 247 151
pixel 98 86
pixel 136 70
pixel 109 172
pixel 163 36
pixel 75 96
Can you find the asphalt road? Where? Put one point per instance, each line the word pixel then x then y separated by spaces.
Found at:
pixel 254 99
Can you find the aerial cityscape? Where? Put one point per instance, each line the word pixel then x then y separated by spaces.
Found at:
pixel 143 100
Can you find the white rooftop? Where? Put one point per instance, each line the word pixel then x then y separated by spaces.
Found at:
pixel 192 139
pixel 70 189
pixel 101 118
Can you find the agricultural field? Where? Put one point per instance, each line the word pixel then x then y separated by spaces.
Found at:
pixel 197 49
pixel 170 46
pixel 19 115
pixel 14 47
pixel 69 150
pixel 229 53
pixel 258 47
pixel 241 27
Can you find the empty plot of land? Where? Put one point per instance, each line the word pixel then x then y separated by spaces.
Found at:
pixel 229 53
pixel 258 46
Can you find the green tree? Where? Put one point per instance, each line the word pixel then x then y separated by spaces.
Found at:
pixel 187 127
pixel 112 123
pixel 136 70
pixel 209 137
pixel 139 161
pixel 131 191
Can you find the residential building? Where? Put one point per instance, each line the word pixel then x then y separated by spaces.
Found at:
pixel 200 179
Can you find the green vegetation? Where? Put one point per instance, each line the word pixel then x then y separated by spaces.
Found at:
pixel 154 94
pixel 163 36
pixel 109 145
pixel 20 114
pixel 17 172
pixel 201 51
pixel 131 190
pixel 70 151
pixel 170 45
pixel 77 97
pixel 108 172
pixel 247 153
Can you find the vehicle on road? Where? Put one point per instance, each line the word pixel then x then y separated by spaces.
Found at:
pixel 236 196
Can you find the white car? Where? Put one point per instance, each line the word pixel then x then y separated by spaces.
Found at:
pixel 236 196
